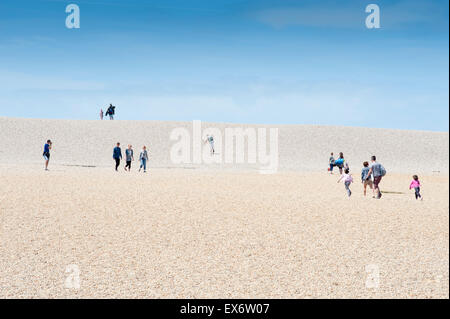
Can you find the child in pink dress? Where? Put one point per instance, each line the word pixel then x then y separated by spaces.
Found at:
pixel 415 183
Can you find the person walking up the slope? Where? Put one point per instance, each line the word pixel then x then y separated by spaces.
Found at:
pixel 378 172
pixel 415 183
pixel 331 163
pixel 143 157
pixel 348 179
pixel 46 153
pixel 117 155
pixel 366 179
pixel 340 162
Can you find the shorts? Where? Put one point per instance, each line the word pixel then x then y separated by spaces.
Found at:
pixel 46 156
pixel 376 181
pixel 368 182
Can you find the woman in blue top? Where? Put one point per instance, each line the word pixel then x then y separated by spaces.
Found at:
pixel 340 162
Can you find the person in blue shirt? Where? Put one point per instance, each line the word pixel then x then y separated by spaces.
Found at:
pixel 46 154
pixel 117 155
pixel 340 162
pixel 366 178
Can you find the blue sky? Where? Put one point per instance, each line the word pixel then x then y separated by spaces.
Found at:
pixel 278 62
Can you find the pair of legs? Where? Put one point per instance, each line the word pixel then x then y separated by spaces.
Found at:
pixel 117 162
pixel 111 116
pixel 128 165
pixel 331 168
pixel 368 182
pixel 417 192
pixel 143 165
pixel 376 188
pixel 347 188
pixel 47 159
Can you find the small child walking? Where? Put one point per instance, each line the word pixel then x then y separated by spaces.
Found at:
pixel 366 178
pixel 348 179
pixel 415 183
pixel 331 163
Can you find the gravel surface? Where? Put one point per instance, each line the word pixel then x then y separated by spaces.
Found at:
pixel 196 230
pixel 206 234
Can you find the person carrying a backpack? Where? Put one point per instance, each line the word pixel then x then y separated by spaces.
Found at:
pixel 110 111
pixel 378 171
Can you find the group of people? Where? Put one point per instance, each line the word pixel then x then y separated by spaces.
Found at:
pixel 109 112
pixel 371 175
pixel 129 157
pixel 117 156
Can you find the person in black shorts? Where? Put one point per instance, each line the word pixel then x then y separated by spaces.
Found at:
pixel 46 153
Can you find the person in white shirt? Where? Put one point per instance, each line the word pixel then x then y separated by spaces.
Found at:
pixel 348 179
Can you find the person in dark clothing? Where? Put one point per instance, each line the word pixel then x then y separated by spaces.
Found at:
pixel 117 155
pixel 111 111
pixel 46 154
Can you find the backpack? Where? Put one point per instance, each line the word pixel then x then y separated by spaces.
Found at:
pixel 382 170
